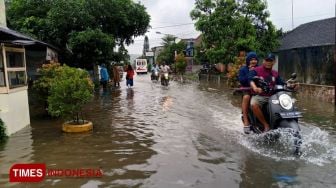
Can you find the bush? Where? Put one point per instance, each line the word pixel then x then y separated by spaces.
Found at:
pixel 70 90
pixel 3 135
pixel 149 67
pixel 234 70
pixel 47 74
pixel 43 84
pixel 180 64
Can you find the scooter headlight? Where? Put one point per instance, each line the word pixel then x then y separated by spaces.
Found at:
pixel 285 101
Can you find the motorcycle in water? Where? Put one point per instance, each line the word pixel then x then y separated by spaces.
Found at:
pixel 165 79
pixel 280 111
pixel 155 75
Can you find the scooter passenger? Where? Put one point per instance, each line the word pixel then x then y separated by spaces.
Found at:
pixel 251 63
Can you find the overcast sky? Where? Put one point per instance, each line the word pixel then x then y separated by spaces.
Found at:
pixel 173 17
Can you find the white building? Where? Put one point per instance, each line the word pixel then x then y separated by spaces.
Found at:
pixel 14 108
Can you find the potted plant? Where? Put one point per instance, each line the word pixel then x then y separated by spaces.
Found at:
pixel 70 90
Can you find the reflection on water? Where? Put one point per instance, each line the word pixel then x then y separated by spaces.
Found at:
pixel 18 147
pixel 320 113
pixel 280 174
pixel 118 140
pixel 183 135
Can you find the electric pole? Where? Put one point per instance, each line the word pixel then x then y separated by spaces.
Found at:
pixel 292 16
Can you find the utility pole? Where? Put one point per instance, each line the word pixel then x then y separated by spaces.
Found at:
pixel 335 59
pixel 2 14
pixel 292 16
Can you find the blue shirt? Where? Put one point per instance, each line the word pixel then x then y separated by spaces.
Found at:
pixel 103 74
pixel 243 76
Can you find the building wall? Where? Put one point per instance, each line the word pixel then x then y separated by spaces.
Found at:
pixel 313 65
pixel 15 110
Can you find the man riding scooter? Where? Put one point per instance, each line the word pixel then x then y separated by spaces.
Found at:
pixel 155 72
pixel 266 73
pixel 164 69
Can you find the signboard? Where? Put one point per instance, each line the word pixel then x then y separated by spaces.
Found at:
pixel 149 54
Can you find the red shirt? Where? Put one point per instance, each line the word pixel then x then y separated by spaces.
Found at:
pixel 130 74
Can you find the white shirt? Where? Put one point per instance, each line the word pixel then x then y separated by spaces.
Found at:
pixel 165 68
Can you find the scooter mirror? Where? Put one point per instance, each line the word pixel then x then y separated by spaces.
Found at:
pixel 293 76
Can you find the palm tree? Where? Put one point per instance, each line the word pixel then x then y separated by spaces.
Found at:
pixel 168 40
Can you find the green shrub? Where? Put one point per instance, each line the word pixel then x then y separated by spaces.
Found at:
pixel 41 86
pixel 181 64
pixel 3 135
pixel 70 90
pixel 47 74
pixel 149 67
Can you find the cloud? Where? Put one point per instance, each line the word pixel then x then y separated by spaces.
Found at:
pixel 173 12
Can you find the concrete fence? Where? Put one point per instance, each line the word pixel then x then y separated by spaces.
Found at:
pixel 319 92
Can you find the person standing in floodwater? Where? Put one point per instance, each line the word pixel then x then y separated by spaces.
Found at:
pixel 104 76
pixel 116 76
pixel 129 76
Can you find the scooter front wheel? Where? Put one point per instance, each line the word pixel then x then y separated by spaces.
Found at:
pixel 293 125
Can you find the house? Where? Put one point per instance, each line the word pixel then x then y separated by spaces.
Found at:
pixel 20 56
pixel 309 51
pixel 189 52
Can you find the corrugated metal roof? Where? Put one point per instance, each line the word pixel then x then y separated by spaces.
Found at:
pixel 317 33
pixel 12 36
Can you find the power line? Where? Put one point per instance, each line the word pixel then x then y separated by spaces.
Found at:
pixel 172 25
pixel 302 17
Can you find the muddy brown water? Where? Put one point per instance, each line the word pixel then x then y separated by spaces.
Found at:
pixel 183 135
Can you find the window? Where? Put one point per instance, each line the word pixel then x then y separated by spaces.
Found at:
pixel 16 78
pixel 2 71
pixel 16 67
pixel 14 59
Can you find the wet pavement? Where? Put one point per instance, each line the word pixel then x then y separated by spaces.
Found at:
pixel 183 135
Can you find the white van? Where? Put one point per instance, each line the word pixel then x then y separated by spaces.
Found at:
pixel 141 66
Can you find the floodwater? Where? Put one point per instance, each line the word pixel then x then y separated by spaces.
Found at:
pixel 183 135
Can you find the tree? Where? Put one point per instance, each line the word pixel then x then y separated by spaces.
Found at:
pixel 63 22
pixel 229 26
pixel 169 49
pixel 82 43
pixel 168 40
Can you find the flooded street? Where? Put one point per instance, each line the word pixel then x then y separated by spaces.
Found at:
pixel 183 135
